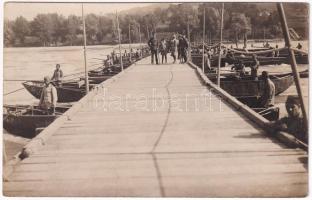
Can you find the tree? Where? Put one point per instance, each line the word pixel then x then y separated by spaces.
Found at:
pixel 9 37
pixel 21 29
pixel 92 28
pixel 212 18
pixel 240 24
pixel 73 28
pixel 181 15
pixel 42 27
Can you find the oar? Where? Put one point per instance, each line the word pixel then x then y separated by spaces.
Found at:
pixel 19 80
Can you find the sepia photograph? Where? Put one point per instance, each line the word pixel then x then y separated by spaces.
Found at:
pixel 155 99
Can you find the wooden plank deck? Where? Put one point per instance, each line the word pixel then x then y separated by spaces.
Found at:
pixel 157 132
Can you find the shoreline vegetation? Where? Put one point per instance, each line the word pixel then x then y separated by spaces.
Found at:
pixel 258 22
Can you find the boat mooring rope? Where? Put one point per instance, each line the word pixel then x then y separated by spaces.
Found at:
pixel 13 91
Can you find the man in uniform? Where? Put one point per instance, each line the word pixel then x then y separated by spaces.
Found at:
pixel 174 47
pixel 267 98
pixel 57 75
pixel 153 45
pixel 293 123
pixel 254 67
pixel 184 46
pixel 48 97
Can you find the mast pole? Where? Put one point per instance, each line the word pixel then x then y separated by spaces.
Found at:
pixel 219 60
pixel 148 36
pixel 203 61
pixel 189 40
pixel 130 42
pixel 140 40
pixel 292 61
pixel 85 51
pixel 120 55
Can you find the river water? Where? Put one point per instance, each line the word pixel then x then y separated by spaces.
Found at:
pixel 35 63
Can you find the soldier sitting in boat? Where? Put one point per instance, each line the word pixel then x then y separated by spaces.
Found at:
pixel 293 123
pixel 267 98
pixel 267 45
pixel 207 63
pixel 239 67
pixel 48 97
pixel 276 53
pixel 57 75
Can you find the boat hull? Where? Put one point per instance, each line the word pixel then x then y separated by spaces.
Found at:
pixel 250 91
pixel 65 94
pixel 24 120
pixel 26 126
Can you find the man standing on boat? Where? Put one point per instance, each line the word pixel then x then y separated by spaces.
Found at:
pixel 254 67
pixel 48 97
pixel 57 75
pixel 153 45
pixel 267 98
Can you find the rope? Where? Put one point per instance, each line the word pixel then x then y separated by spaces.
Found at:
pixel 13 91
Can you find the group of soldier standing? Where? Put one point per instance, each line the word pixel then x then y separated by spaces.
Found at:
pixel 177 46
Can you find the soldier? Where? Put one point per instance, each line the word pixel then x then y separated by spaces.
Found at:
pixel 293 123
pixel 267 98
pixel 57 75
pixel 153 45
pixel 174 48
pixel 276 53
pixel 163 50
pixel 254 67
pixel 48 97
pixel 184 46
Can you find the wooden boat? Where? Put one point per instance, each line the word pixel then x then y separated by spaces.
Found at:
pixel 247 61
pixel 248 90
pixel 301 58
pixel 304 74
pixel 271 113
pixel 68 92
pixel 26 120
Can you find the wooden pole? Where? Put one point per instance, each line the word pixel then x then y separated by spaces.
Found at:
pixel 85 51
pixel 120 54
pixel 130 41
pixel 203 62
pixel 220 44
pixel 140 40
pixel 210 39
pixel 189 40
pixel 263 35
pixel 292 60
pixel 148 36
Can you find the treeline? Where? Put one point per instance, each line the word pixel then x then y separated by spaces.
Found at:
pixel 240 20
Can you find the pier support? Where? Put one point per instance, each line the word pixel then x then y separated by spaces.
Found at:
pixel 220 45
pixel 292 60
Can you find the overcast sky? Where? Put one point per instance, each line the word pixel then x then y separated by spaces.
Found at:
pixel 30 10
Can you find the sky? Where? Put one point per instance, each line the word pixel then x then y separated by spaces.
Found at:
pixel 30 10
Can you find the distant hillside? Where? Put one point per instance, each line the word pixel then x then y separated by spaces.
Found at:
pixel 145 10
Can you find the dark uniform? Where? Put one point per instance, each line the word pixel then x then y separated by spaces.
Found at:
pixel 153 45
pixel 57 77
pixel 183 48
pixel 254 68
pixel 268 96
